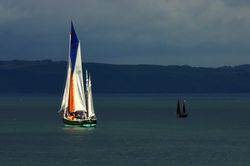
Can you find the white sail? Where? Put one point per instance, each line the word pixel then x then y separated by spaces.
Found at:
pixel 79 95
pixel 65 103
pixel 65 99
pixel 91 112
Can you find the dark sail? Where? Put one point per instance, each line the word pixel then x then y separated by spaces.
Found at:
pixel 184 107
pixel 178 110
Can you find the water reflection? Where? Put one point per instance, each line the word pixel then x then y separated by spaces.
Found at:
pixel 78 129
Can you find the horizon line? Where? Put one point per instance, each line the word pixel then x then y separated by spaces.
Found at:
pixel 120 64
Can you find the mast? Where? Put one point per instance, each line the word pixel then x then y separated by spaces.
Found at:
pixel 86 95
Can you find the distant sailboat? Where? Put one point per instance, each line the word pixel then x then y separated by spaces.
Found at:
pixel 181 113
pixel 77 105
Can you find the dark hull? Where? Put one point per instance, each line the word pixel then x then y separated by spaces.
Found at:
pixel 80 123
pixel 182 115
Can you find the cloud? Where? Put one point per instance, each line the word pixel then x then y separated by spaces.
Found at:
pixel 132 31
pixel 10 14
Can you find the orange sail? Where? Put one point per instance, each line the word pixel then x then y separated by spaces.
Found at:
pixel 71 95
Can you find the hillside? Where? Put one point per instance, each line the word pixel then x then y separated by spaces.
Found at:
pixel 49 77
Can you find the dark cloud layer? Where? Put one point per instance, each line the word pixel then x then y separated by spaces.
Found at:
pixel 194 32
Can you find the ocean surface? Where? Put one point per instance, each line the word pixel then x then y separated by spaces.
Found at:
pixel 132 130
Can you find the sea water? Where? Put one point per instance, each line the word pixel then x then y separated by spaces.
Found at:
pixel 132 130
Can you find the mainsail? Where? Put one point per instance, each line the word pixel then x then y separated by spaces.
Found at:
pixel 74 97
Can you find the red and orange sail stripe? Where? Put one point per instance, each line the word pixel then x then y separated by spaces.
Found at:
pixel 71 95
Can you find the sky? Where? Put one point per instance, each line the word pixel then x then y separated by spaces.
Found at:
pixel 205 33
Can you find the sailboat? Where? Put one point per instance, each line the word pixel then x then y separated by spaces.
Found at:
pixel 77 107
pixel 181 113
